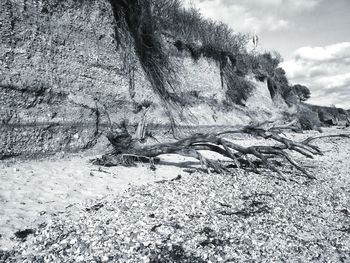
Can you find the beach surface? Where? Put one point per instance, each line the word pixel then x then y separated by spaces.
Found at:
pixel 213 217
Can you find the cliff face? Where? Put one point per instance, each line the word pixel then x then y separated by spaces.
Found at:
pixel 61 70
pixel 330 116
pixel 56 58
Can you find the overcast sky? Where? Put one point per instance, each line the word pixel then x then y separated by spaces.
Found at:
pixel 313 36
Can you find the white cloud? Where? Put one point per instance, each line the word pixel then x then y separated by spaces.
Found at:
pixel 276 24
pixel 325 70
pixel 327 53
pixel 301 5
pixel 335 81
pixel 315 61
pixel 291 5
pixel 253 15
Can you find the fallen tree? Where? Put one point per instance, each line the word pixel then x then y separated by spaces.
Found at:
pixel 128 150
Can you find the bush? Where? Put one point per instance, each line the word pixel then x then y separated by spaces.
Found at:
pixel 308 119
pixel 190 27
pixel 301 91
pixel 143 23
pixel 290 97
pixel 238 88
pixel 267 62
pixel 147 23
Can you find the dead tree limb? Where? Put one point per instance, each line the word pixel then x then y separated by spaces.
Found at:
pixel 127 150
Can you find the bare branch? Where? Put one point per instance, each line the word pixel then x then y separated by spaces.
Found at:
pixel 128 150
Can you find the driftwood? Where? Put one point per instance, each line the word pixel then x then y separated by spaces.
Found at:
pixel 128 150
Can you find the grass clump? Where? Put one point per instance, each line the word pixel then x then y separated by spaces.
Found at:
pixel 136 18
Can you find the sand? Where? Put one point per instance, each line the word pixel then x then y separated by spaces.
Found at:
pixel 32 191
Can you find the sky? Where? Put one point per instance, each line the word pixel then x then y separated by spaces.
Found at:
pixel 313 37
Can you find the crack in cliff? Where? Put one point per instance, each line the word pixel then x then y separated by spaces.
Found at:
pixel 97 133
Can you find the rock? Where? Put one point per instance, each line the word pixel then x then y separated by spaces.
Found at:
pixel 22 234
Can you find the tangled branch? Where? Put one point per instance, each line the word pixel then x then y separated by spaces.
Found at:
pixel 128 150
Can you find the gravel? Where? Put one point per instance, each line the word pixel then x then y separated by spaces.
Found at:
pixel 238 216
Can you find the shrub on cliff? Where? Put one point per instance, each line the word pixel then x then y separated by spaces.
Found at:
pixel 268 62
pixel 149 23
pixel 238 88
pixel 302 92
pixel 308 119
pixel 135 18
pixel 189 26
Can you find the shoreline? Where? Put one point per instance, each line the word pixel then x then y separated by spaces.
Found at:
pixel 329 169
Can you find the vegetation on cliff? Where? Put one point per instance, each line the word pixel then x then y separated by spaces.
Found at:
pixel 151 26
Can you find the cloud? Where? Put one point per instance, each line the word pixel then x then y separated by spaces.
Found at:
pixel 301 5
pixel 317 61
pixel 288 5
pixel 336 52
pixel 325 70
pixel 253 15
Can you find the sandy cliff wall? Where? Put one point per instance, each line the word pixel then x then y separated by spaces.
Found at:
pixel 60 70
pixel 56 58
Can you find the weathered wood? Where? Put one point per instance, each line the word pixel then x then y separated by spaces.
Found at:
pixel 128 150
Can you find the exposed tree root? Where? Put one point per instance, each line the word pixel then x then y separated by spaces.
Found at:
pixel 127 150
